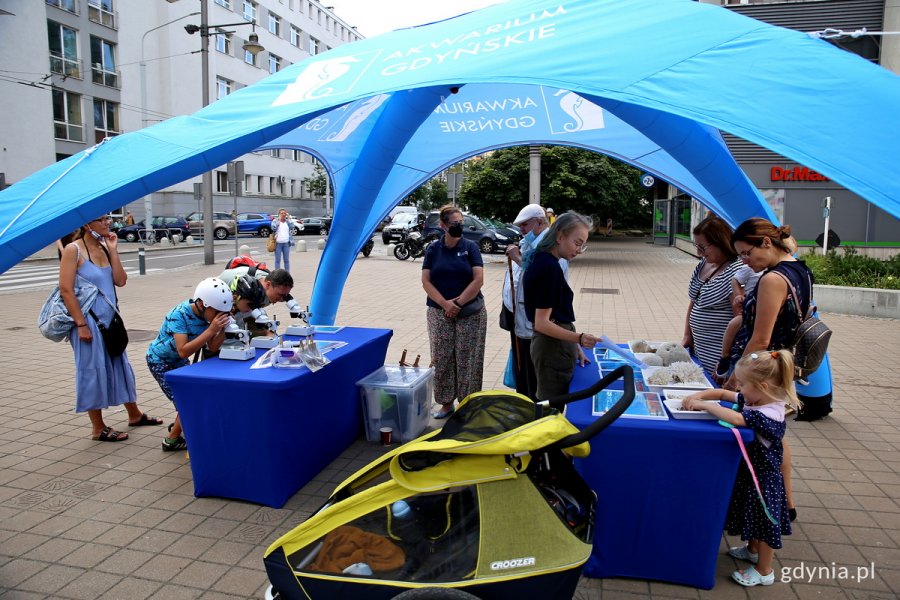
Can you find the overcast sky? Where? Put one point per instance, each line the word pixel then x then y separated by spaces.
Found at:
pixel 372 18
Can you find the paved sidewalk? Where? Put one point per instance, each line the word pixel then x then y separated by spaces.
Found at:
pixel 84 519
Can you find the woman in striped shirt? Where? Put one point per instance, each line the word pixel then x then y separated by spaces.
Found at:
pixel 709 311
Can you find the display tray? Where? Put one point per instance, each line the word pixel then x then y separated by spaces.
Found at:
pixel 673 399
pixel 647 372
pixel 644 406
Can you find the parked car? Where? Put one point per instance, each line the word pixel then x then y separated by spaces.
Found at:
pixel 400 225
pixel 256 223
pixel 223 224
pixel 489 240
pixel 510 231
pixel 163 226
pixel 315 225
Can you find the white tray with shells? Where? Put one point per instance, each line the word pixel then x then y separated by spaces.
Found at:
pixel 679 376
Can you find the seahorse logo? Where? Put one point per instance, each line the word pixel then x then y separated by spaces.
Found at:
pixel 317 80
pixel 359 115
pixel 584 115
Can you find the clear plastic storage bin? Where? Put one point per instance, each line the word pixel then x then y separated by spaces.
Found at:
pixel 396 397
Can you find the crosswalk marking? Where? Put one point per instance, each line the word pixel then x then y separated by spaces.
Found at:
pixel 35 276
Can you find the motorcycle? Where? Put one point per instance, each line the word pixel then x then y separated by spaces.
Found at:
pixel 412 245
pixel 367 247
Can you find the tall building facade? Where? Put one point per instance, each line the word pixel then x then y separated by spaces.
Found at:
pixel 98 68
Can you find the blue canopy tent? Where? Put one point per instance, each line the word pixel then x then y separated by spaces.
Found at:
pixel 662 76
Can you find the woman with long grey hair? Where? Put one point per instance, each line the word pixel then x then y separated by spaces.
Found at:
pixel 556 345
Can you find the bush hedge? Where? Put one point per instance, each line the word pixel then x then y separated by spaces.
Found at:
pixel 848 268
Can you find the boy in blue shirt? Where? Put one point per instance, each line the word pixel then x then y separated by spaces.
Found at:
pixel 194 324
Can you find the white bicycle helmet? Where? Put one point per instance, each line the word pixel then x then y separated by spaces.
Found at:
pixel 214 293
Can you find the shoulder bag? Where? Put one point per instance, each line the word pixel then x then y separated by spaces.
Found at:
pixel 270 243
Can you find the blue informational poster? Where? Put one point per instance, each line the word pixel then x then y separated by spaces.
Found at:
pixel 646 405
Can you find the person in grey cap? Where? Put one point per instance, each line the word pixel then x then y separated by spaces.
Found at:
pixel 532 221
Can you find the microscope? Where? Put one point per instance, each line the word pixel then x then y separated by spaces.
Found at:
pixel 271 325
pixel 237 343
pixel 305 330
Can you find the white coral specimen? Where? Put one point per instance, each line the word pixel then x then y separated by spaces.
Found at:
pixel 670 353
pixel 678 372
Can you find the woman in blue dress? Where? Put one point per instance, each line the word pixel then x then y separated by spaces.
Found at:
pixel 101 381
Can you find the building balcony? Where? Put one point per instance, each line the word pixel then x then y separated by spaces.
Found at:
pixel 65 66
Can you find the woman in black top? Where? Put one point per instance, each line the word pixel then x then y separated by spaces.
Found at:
pixel 452 275
pixel 770 319
pixel 548 304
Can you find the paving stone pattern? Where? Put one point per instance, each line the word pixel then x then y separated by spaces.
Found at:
pixel 84 519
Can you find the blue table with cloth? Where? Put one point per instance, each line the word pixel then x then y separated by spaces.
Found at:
pixel 663 489
pixel 262 434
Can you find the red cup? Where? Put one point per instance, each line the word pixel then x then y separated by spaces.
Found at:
pixel 386 434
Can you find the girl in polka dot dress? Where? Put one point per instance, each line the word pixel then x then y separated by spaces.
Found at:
pixel 766 383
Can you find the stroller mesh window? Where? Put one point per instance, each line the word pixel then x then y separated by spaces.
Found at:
pixel 432 538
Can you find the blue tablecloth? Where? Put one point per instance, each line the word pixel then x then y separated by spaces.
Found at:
pixel 663 490
pixel 261 434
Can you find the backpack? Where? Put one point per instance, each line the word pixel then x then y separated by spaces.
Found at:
pixel 246 261
pixel 811 340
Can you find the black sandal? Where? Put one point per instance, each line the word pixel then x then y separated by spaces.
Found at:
pixel 146 420
pixel 110 435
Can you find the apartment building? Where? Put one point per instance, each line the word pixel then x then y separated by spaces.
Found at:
pixel 98 68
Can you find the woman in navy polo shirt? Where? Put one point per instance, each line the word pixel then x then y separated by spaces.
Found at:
pixel 549 305
pixel 452 275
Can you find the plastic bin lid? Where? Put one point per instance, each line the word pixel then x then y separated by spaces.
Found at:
pixel 394 376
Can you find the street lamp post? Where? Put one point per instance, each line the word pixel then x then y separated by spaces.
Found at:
pixel 148 199
pixel 251 45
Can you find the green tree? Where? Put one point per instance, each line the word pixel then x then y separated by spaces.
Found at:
pixel 317 184
pixel 571 179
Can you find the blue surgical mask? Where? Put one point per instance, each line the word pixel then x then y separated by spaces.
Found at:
pixel 527 241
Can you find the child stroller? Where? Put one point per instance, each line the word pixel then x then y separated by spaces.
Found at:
pixel 488 507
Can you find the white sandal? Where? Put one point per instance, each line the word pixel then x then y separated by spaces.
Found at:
pixel 743 553
pixel 750 577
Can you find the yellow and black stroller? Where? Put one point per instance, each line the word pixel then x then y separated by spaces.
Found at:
pixel 488 507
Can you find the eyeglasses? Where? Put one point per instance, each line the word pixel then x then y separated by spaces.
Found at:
pixel 452 223
pixel 103 218
pixel 701 247
pixel 746 254
pixel 582 248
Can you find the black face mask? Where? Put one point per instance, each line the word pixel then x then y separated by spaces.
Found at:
pixel 455 230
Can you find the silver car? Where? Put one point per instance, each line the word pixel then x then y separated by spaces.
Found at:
pixel 223 225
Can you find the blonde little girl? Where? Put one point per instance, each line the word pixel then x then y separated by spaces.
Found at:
pixel 766 383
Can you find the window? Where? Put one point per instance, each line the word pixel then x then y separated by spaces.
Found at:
pixel 249 58
pixel 106 119
pixel 69 5
pixel 101 11
pixel 247 181
pixel 223 43
pixel 275 152
pixel 67 123
pixel 299 156
pixel 295 36
pixel 249 11
pixel 223 87
pixel 313 46
pixel 103 62
pixel 225 3
pixel 222 181
pixel 274 25
pixel 274 63
pixel 63 43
